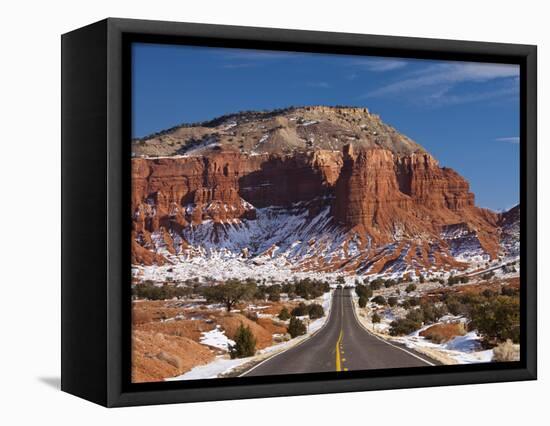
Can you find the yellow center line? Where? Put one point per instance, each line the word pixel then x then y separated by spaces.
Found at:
pixel 339 344
pixel 338 359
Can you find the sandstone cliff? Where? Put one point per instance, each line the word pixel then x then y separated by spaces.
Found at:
pixel 332 188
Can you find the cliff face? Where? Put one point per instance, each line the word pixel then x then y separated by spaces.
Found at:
pixel 176 192
pixel 377 188
pixel 368 191
pixel 356 208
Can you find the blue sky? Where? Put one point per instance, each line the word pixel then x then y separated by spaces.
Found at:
pixel 466 114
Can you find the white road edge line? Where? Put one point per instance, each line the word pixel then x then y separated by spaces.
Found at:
pixel 385 341
pixel 292 347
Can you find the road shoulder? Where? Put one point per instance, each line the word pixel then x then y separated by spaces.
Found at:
pixel 430 357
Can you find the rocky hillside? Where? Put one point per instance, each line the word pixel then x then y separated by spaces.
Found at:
pixel 285 131
pixel 509 225
pixel 307 189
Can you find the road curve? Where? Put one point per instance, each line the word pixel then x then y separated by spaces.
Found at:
pixel 341 345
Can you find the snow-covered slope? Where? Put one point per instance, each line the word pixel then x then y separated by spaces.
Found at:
pixel 510 226
pixel 280 243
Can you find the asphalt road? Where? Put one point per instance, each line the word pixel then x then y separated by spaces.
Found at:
pixel 341 345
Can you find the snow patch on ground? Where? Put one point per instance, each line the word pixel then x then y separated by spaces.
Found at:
pixel 319 322
pixel 309 123
pixel 211 370
pixel 463 349
pixel 217 339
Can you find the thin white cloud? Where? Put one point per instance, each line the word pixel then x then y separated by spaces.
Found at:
pixel 447 76
pixel 379 65
pixel 445 97
pixel 511 139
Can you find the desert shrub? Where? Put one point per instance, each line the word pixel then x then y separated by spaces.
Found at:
pixel 509 291
pixel 455 306
pixel 416 315
pixel 310 289
pixel 472 299
pixel 260 292
pixel 453 280
pixel 508 269
pixel 274 297
pixel 403 326
pixel 274 293
pixel 300 310
pixel 414 301
pixel 409 303
pixel 431 313
pixel 375 318
pixel 363 291
pixel 488 275
pixel 296 327
pixel 488 293
pixel 230 293
pixel 245 343
pixel 410 288
pixel 376 284
pixel 148 290
pixel 392 301
pixel 497 319
pixel 363 301
pixel 390 283
pixel 284 314
pixel 421 279
pixel 379 300
pixel 506 351
pixel 315 311
pixel 288 288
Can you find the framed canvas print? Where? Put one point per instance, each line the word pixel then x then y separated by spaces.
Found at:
pixel 252 212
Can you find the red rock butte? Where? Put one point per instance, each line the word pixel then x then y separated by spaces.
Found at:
pixel 383 192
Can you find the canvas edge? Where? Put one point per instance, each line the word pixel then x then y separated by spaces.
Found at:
pixel 115 394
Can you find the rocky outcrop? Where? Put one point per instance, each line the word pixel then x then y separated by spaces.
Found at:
pixel 390 196
pixel 376 193
pixel 176 192
pixel 367 192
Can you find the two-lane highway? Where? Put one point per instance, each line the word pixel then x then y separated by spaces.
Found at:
pixel 342 344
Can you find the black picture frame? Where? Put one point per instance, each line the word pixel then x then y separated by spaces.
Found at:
pixel 96 91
